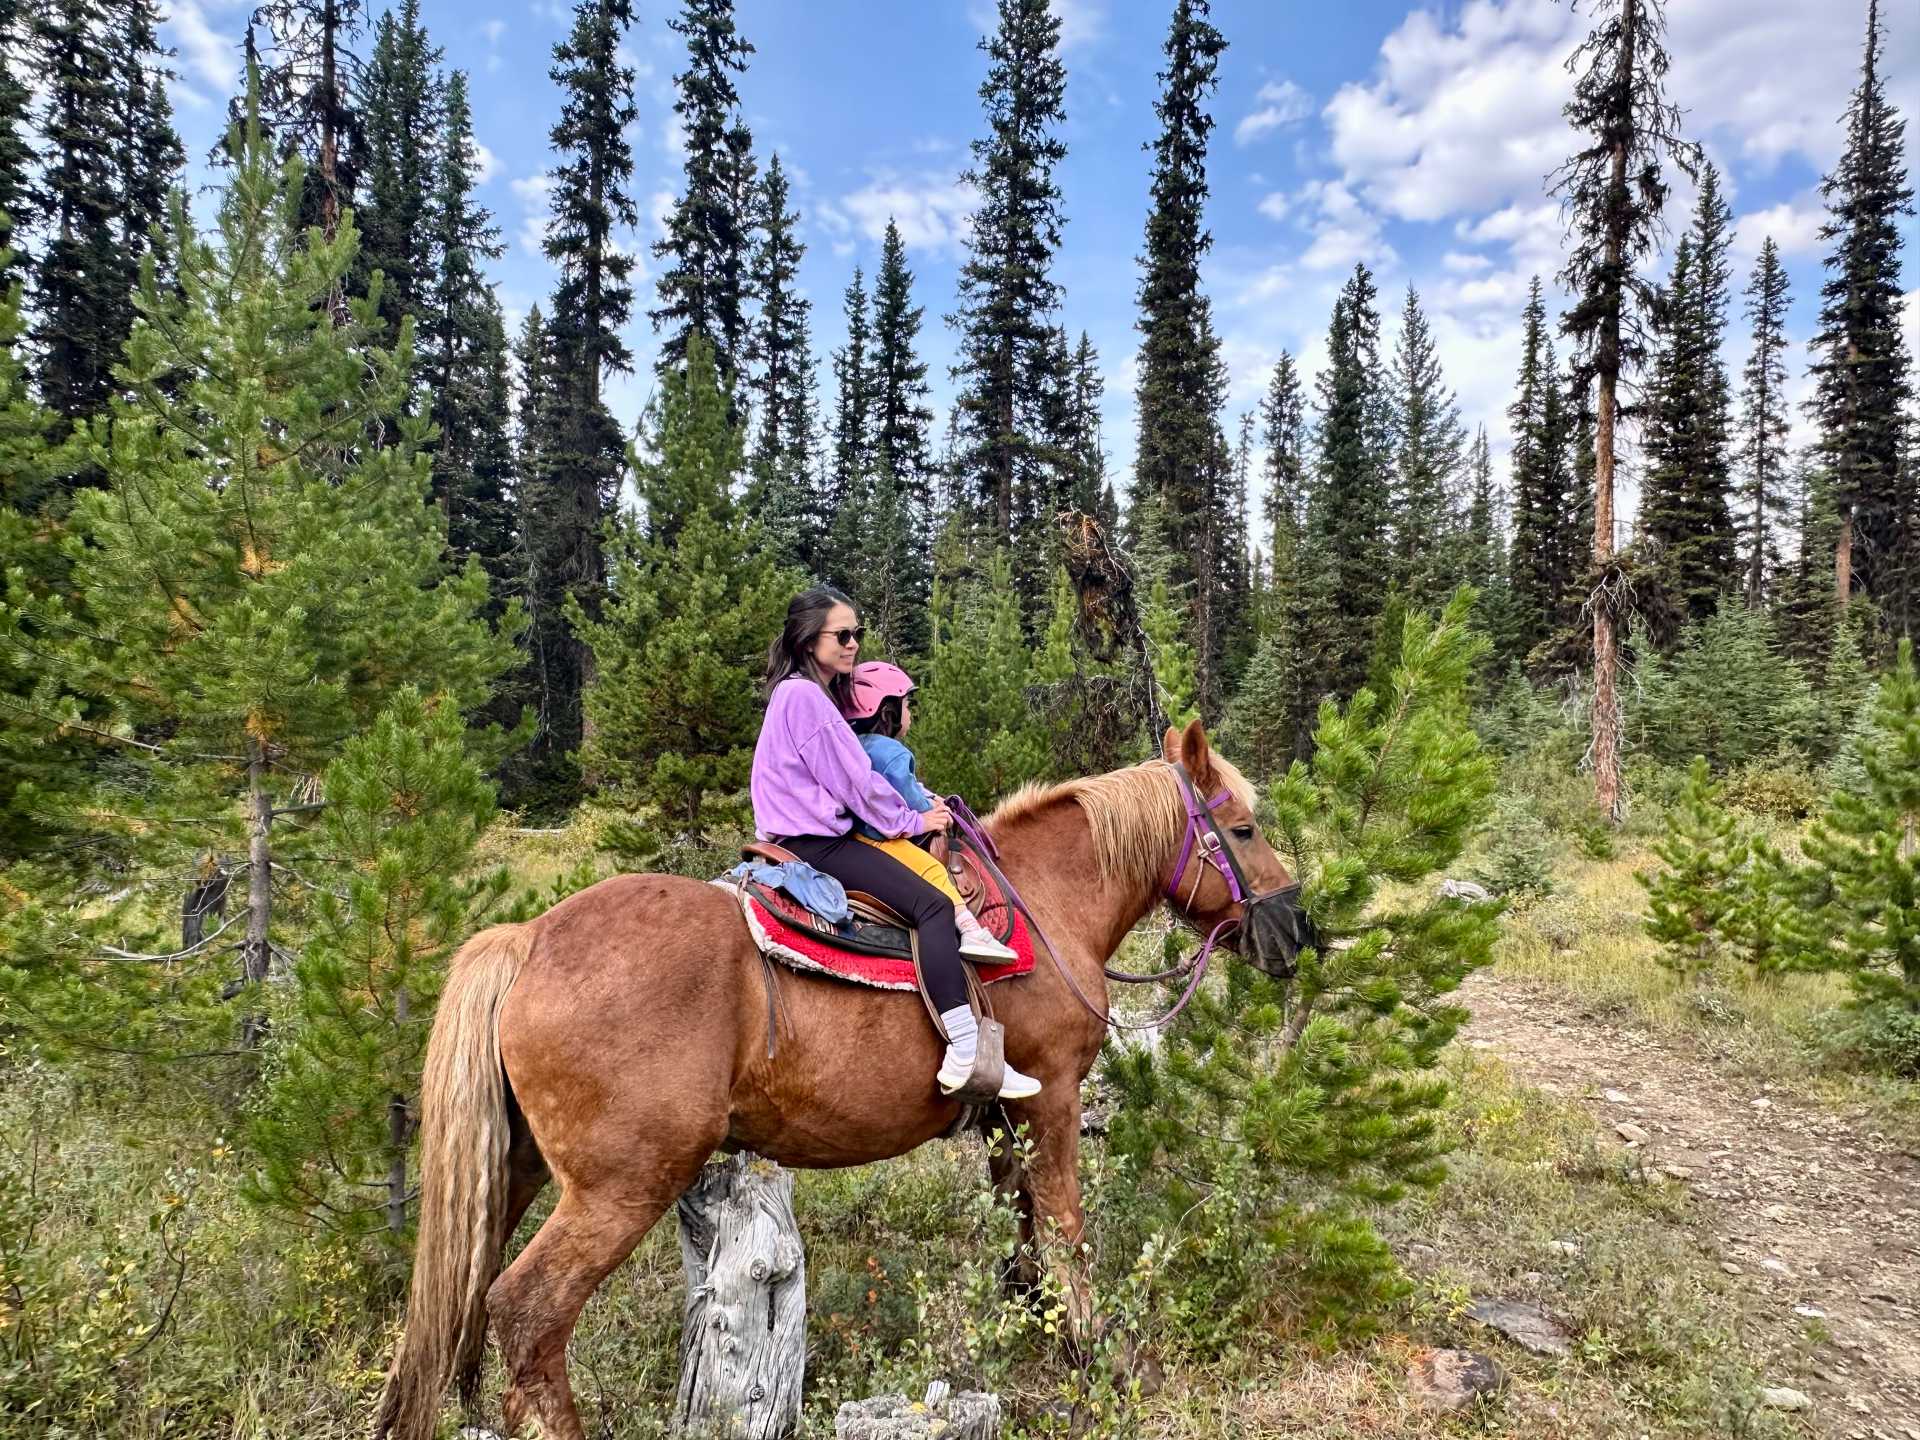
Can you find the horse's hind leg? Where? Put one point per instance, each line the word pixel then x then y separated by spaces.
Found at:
pixel 536 1303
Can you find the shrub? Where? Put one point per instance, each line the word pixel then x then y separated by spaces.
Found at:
pixel 1687 903
pixel 1726 693
pixel 1520 852
pixel 1772 792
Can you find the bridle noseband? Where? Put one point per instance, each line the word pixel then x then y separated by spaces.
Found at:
pixel 1263 911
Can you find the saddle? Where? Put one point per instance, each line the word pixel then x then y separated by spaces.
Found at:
pixel 879 947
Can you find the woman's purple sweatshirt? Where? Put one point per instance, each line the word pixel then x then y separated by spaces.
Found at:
pixel 810 775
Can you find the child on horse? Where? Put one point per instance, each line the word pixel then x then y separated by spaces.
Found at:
pixel 880 715
pixel 811 781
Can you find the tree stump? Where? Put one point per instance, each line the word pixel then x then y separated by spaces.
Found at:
pixel 743 1352
pixel 970 1415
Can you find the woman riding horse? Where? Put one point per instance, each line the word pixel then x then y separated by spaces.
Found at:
pixel 811 781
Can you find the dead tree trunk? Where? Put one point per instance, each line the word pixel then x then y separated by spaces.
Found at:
pixel 256 952
pixel 743 1352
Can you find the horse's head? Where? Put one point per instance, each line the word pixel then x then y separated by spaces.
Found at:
pixel 1226 870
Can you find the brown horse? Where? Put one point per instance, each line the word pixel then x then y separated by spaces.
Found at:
pixel 617 1041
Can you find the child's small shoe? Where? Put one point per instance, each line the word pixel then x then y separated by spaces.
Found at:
pixel 975 940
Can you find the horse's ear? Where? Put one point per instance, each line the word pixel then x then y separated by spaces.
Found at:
pixel 1189 747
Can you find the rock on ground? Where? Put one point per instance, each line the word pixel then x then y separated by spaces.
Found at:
pixel 969 1415
pixel 1452 1379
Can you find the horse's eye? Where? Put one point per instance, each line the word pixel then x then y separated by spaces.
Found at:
pixel 1243 832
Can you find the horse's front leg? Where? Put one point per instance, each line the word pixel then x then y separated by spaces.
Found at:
pixel 1052 1213
pixel 1019 1272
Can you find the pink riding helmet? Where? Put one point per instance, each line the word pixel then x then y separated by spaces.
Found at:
pixel 875 681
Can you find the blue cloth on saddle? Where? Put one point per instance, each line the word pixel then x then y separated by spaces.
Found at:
pixel 820 893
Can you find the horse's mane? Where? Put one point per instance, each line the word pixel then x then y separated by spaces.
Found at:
pixel 1136 814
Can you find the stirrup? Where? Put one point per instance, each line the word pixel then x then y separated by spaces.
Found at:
pixel 982 1085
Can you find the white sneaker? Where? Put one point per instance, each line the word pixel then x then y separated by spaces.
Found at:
pixel 954 1070
pixel 978 942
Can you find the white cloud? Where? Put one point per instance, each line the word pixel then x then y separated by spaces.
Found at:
pixel 1793 224
pixel 660 210
pixel 934 211
pixel 1345 230
pixel 213 57
pixel 537 217
pixel 1275 205
pixel 1460 264
pixel 493 30
pixel 486 164
pixel 1281 103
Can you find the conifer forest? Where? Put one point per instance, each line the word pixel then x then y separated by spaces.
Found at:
pixel 355 597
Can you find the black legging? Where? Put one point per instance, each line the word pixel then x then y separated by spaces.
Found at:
pixel 859 866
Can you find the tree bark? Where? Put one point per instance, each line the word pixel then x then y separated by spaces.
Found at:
pixel 256 952
pixel 399 1131
pixel 207 900
pixel 743 1352
pixel 1843 560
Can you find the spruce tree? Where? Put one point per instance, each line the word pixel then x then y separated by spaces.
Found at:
pixel 705 251
pixel 1683 510
pixel 1860 360
pixel 80 283
pixel 1283 418
pixel 1726 692
pixel 566 497
pixel 850 480
pixel 1088 490
pixel 1540 582
pixel 1007 294
pixel 463 354
pixel 1301 1106
pixel 335 1126
pixel 1615 193
pixel 401 101
pixel 1428 446
pixel 264 586
pixel 898 380
pixel 1353 493
pixel 1763 427
pixel 1182 380
pixel 1865 858
pixel 308 81
pixel 17 157
pixel 694 596
pixel 1689 901
pixel 792 512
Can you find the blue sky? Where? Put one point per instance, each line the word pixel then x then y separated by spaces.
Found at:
pixel 1414 138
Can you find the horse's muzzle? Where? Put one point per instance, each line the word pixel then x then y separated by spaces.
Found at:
pixel 1275 931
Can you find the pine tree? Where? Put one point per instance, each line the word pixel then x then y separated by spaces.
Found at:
pixel 307 89
pixel 1007 294
pixel 849 487
pixel 1726 693
pixel 401 105
pixel 1088 490
pixel 1283 418
pixel 147 148
pixel 1688 902
pixel 1684 511
pixel 1182 379
pixel 1763 429
pixel 17 157
pixel 899 380
pixel 1864 856
pixel 334 1128
pixel 973 733
pixel 1428 445
pixel 693 599
pixel 1614 193
pixel 1540 578
pixel 265 587
pixel 566 497
pixel 705 251
pixel 793 514
pixel 1860 359
pixel 463 355
pixel 1299 1107
pixel 1352 496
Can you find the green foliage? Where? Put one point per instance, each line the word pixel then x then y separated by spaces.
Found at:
pixel 1311 1102
pixel 334 1124
pixel 693 599
pixel 973 732
pixel 1172 655
pixel 1726 693
pixel 1520 852
pixel 1688 902
pixel 1863 855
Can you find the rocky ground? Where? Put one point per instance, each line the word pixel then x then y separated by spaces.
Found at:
pixel 1815 1212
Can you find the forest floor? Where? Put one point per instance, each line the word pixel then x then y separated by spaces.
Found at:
pixel 1813 1211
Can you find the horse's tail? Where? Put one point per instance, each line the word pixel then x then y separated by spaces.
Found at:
pixel 463 1185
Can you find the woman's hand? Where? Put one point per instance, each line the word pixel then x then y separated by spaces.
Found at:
pixel 939 819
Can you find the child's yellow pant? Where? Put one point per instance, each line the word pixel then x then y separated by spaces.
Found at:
pixel 922 864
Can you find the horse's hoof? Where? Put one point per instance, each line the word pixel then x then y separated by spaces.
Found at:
pixel 1019 1281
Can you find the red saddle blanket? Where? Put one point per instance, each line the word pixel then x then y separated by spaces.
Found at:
pixel 877 955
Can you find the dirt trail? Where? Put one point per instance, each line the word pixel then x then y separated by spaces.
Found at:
pixel 1817 1213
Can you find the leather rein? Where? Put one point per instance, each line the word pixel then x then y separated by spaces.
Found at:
pixel 1214 850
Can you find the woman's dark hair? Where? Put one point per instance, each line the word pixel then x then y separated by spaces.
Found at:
pixel 792 653
pixel 884 721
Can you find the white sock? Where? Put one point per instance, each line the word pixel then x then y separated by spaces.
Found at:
pixel 962 1031
pixel 963 919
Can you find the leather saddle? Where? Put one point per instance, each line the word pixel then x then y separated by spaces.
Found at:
pixel 876 928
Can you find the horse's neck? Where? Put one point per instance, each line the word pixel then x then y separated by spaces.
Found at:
pixel 1050 859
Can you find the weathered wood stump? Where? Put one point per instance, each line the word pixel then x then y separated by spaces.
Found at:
pixel 743 1352
pixel 970 1415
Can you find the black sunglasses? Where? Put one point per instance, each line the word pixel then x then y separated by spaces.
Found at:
pixel 847 637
